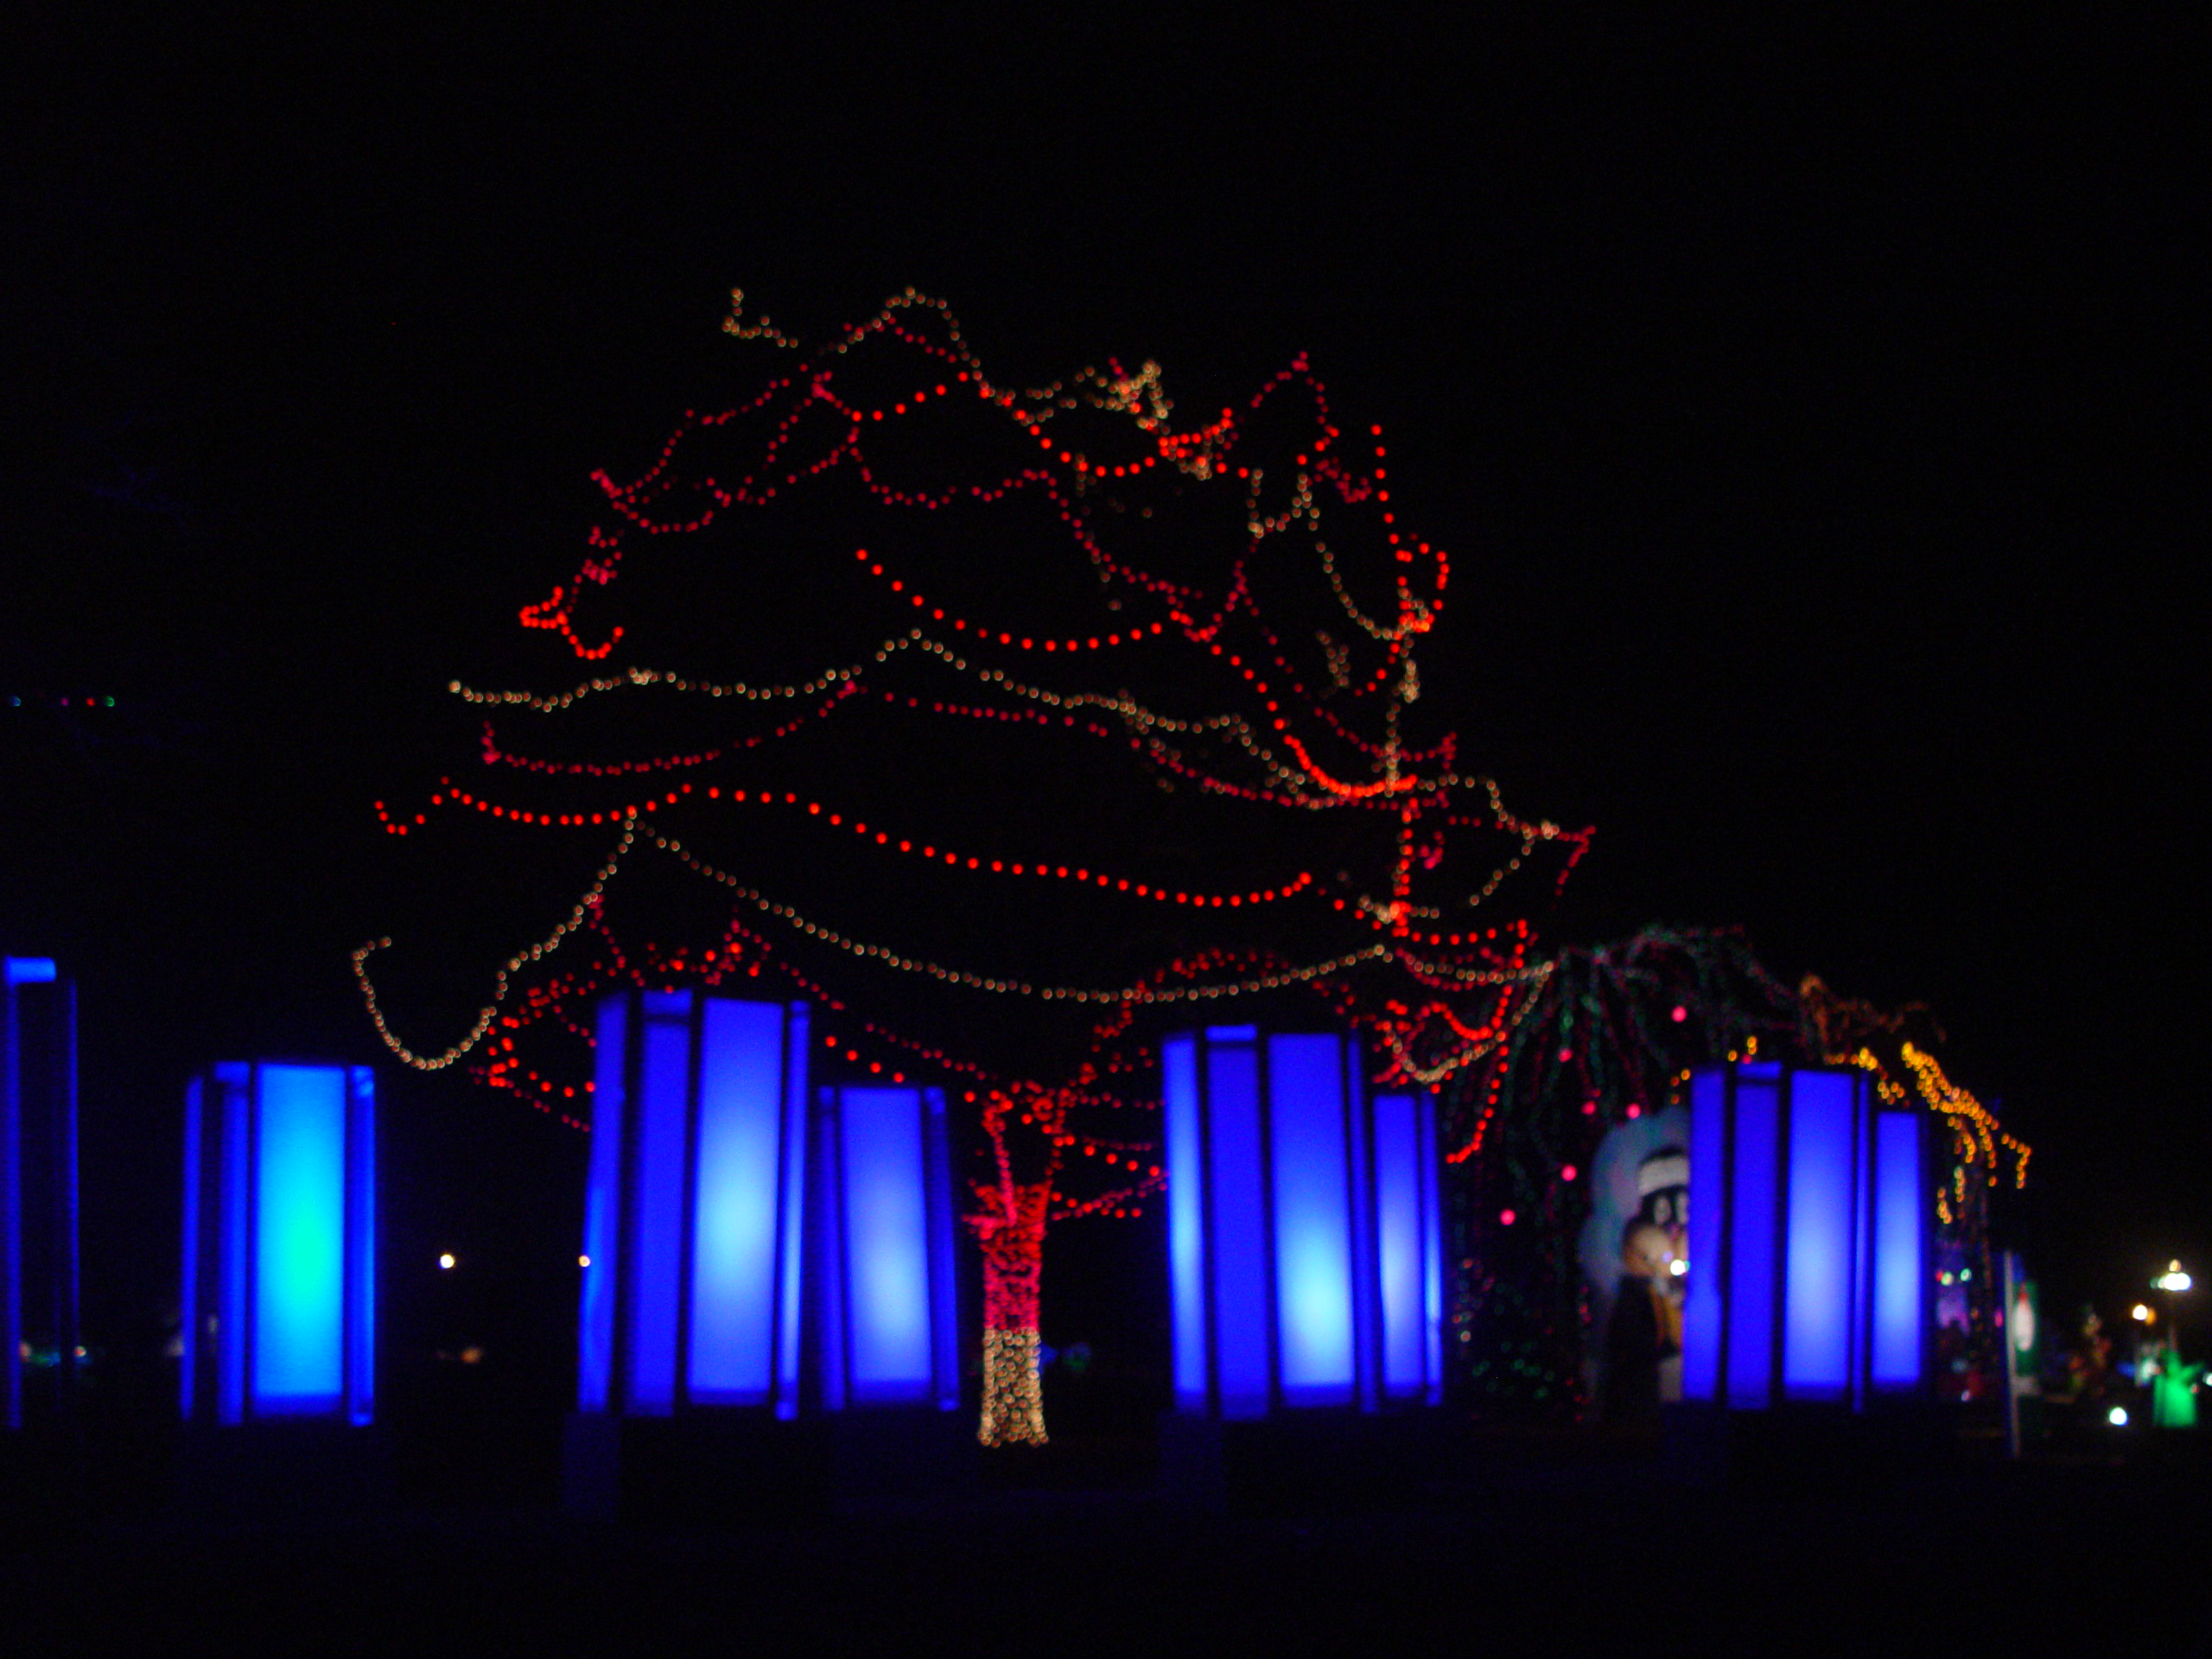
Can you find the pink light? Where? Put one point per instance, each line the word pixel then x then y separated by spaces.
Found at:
pixel 1681 1013
pixel 1565 1055
pixel 1566 1173
pixel 1635 1111
pixel 1505 1217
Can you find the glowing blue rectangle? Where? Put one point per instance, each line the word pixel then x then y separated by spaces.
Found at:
pixel 734 1247
pixel 944 1300
pixel 299 1268
pixel 1431 1245
pixel 1312 1219
pixel 1240 1269
pixel 1185 1218
pixel 887 1249
pixel 1752 1219
pixel 360 1244
pixel 658 1243
pixel 30 970
pixel 1704 1310
pixel 234 1200
pixel 1899 1267
pixel 1816 1326
pixel 602 1208
pixel 1403 1224
pixel 790 1229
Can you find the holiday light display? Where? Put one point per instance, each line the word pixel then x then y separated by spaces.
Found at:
pixel 1612 1036
pixel 1809 1262
pixel 694 1215
pixel 1303 1236
pixel 40 1361
pixel 280 1244
pixel 1220 613
pixel 888 1318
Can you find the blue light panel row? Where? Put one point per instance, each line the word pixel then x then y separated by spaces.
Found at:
pixel 1807 1265
pixel 713 1184
pixel 1305 1253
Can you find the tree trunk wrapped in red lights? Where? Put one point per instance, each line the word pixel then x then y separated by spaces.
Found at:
pixel 1002 724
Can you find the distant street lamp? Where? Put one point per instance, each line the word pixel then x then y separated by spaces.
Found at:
pixel 2173 1279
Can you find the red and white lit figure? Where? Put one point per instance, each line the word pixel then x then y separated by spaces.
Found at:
pixel 1277 644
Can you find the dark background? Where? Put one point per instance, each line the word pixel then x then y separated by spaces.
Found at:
pixel 1804 413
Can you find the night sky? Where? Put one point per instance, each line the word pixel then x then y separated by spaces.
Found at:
pixel 1805 415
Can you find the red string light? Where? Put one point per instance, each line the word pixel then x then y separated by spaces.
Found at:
pixel 1397 947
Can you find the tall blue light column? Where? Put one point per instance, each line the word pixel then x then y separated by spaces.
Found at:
pixel 1808 1258
pixel 694 1215
pixel 280 1244
pixel 1304 1242
pixel 38 1192
pixel 884 1308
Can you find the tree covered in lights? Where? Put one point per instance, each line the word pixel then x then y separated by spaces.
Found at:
pixel 1011 725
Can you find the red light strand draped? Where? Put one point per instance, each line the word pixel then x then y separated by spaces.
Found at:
pixel 1411 947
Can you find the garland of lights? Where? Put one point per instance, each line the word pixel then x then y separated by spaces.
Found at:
pixel 1405 948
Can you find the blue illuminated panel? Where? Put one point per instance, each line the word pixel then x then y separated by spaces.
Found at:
pixel 1305 1258
pixel 603 1209
pixel 1816 1329
pixel 887 1243
pixel 299 1278
pixel 1751 1226
pixel 692 1234
pixel 1313 1219
pixel 38 1189
pixel 1186 1261
pixel 1899 1267
pixel 1703 1312
pixel 1240 1268
pixel 734 1249
pixel 1431 1245
pixel 360 1244
pixel 234 1203
pixel 656 1242
pixel 280 1242
pixel 1403 1221
pixel 790 1232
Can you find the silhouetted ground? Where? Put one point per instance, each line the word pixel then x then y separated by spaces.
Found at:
pixel 1503 1545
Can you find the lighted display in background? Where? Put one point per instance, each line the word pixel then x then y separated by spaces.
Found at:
pixel 1305 1259
pixel 693 1217
pixel 1309 1132
pixel 887 1325
pixel 1409 1248
pixel 1817 1300
pixel 1900 1253
pixel 735 1283
pixel 1808 1258
pixel 280 1242
pixel 603 1209
pixel 299 1238
pixel 38 1192
pixel 1186 1220
pixel 1703 1312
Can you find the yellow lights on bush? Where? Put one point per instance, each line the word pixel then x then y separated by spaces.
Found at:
pixel 1969 1117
